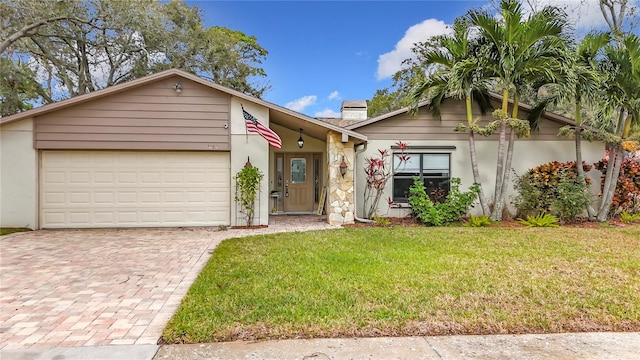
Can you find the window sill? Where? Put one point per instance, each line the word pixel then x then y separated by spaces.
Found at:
pixel 400 206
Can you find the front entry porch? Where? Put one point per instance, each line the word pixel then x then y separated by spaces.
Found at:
pixel 318 180
pixel 298 183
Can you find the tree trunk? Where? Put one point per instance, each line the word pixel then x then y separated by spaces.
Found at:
pixel 613 172
pixel 474 159
pixel 591 212
pixel 607 180
pixel 497 215
pixel 507 166
pixel 507 173
pixel 484 205
pixel 611 182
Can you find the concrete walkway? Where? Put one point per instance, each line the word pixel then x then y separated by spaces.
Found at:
pixel 584 346
pixel 581 346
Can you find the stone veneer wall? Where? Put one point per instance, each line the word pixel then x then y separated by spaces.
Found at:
pixel 341 190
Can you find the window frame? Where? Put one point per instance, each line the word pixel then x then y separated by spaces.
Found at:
pixel 423 174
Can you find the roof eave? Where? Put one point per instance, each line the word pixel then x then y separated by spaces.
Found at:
pixel 551 115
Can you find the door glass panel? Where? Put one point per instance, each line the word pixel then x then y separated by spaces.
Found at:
pixel 279 172
pixel 316 178
pixel 298 170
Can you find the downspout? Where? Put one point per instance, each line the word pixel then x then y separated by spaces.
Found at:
pixel 355 198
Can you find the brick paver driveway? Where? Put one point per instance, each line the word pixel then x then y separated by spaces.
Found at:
pixel 102 287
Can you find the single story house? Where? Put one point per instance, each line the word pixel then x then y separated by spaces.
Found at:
pixel 163 150
pixel 437 152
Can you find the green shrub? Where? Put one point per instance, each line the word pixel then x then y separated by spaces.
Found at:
pixel 540 220
pixel 573 197
pixel 454 206
pixel 552 188
pixel 247 188
pixel 381 221
pixel 628 217
pixel 479 221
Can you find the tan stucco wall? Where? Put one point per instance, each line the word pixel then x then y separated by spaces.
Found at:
pixel 527 154
pixel 18 176
pixel 257 149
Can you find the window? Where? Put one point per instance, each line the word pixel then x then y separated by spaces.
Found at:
pixel 432 169
pixel 298 170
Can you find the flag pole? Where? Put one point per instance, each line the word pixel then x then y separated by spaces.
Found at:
pixel 246 131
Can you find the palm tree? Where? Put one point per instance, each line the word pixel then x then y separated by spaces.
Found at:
pixel 522 49
pixel 621 108
pixel 455 71
pixel 581 86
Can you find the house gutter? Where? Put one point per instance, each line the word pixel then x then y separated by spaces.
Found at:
pixel 355 198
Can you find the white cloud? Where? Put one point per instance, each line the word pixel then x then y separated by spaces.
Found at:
pixel 327 113
pixel 334 95
pixel 300 104
pixel 391 62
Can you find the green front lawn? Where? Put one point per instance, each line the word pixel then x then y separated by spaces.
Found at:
pixel 415 281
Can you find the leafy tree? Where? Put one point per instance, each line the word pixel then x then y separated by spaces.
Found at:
pixel 73 47
pixel 17 87
pixel 520 49
pixel 384 101
pixel 24 19
pixel 398 95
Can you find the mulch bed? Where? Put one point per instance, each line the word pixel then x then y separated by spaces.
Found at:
pixel 508 223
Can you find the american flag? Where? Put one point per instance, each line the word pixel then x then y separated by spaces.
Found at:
pixel 254 125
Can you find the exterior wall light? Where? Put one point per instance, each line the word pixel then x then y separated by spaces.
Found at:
pixel 343 167
pixel 177 87
pixel 300 140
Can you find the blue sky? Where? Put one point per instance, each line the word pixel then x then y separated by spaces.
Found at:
pixel 324 52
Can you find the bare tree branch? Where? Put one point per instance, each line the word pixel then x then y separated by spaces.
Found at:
pixel 32 29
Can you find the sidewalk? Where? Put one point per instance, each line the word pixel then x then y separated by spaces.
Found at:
pixel 583 346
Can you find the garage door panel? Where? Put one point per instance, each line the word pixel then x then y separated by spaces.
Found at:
pixel 127 189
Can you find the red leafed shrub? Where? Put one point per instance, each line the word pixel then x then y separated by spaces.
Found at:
pixel 547 175
pixel 627 194
pixel 552 188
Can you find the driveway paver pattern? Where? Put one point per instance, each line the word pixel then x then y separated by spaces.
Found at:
pixel 63 288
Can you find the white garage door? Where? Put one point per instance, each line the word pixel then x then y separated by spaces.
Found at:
pixel 97 189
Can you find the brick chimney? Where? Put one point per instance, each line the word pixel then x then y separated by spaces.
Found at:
pixel 354 110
